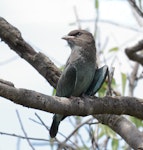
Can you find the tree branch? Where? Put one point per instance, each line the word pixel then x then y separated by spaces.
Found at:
pixel 22 128
pixel 12 37
pixel 132 52
pixel 83 106
pixel 136 8
pixel 23 137
pixel 133 79
pixel 124 128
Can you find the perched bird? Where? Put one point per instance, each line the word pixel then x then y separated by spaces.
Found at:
pixel 78 77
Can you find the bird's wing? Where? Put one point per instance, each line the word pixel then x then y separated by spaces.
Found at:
pixel 99 78
pixel 66 82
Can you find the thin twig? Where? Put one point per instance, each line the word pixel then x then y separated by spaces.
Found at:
pixel 93 123
pixel 23 137
pixel 112 23
pixel 42 122
pixel 22 127
pixel 136 8
pixel 73 132
pixel 106 142
pixel 9 60
pixel 77 17
pixel 133 79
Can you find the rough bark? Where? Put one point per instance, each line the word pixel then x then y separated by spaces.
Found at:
pixel 12 37
pixel 83 106
pixel 124 128
pixel 133 52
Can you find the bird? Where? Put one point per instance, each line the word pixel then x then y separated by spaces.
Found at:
pixel 81 74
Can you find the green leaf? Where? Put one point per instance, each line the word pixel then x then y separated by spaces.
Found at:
pixel 124 79
pixel 115 144
pixel 54 92
pixel 62 68
pixel 96 4
pixel 105 130
pixel 137 122
pixel 114 49
pixel 111 133
pixel 103 90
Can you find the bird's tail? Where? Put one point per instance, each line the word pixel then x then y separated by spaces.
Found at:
pixel 55 124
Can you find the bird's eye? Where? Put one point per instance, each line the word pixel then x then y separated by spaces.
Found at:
pixel 78 34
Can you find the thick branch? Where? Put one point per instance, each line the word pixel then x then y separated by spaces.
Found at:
pixel 132 52
pixel 82 106
pixel 12 37
pixel 124 128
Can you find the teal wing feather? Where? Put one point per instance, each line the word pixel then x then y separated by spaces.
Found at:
pixel 66 82
pixel 65 88
pixel 99 78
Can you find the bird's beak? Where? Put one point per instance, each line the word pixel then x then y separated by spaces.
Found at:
pixel 67 37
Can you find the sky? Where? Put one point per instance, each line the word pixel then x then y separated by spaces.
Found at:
pixel 42 24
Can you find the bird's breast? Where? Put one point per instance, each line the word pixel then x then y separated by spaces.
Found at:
pixel 84 76
pixel 85 69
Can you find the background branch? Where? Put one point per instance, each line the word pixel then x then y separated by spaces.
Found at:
pixel 136 8
pixel 23 137
pixel 124 128
pixel 133 79
pixel 22 128
pixel 132 52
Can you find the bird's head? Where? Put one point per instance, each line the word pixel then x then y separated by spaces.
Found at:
pixel 79 38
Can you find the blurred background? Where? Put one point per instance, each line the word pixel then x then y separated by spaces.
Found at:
pixel 115 25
